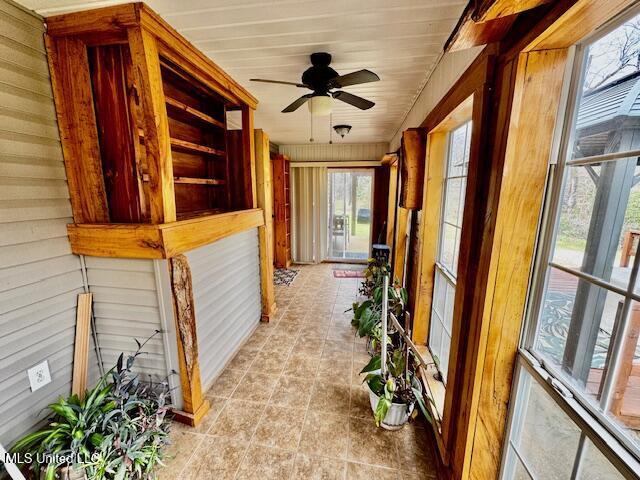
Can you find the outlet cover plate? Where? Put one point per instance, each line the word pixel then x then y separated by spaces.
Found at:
pixel 39 375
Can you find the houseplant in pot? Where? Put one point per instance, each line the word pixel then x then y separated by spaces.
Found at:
pixel 117 430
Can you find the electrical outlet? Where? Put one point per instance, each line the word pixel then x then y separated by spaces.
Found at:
pixel 39 375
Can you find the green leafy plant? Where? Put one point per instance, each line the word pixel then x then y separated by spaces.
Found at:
pixel 117 432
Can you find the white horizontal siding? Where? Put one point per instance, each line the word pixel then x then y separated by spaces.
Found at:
pixel 39 276
pixel 226 289
pixel 335 152
pixel 125 305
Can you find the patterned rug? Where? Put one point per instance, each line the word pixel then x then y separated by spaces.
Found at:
pixel 554 327
pixel 345 273
pixel 284 276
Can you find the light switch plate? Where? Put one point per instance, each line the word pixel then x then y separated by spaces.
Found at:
pixel 39 375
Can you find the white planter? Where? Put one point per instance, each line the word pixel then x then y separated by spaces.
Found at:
pixel 398 414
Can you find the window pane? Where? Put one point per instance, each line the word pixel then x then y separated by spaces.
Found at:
pixel 449 304
pixel 435 335
pixel 444 355
pixel 544 436
pixel 439 293
pixel 600 208
pixel 575 328
pixel 454 198
pixel 458 152
pixel 595 465
pixel 447 248
pixel 607 93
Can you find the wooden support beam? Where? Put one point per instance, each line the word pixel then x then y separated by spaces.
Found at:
pixel 491 9
pixel 414 152
pixel 393 203
pixel 248 145
pixel 469 33
pixel 71 82
pixel 403 222
pixel 146 66
pixel 264 196
pixel 195 406
pixel 81 345
pixel 538 89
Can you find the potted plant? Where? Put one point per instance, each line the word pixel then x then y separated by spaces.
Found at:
pixel 118 430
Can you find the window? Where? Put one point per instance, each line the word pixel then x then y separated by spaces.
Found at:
pixel 584 315
pixel 454 185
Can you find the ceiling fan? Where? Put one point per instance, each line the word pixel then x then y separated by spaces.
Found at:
pixel 322 79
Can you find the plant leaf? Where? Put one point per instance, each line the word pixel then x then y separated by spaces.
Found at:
pixel 420 401
pixel 373 365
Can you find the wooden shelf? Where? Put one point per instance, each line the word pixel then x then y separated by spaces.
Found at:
pixel 165 240
pixel 195 148
pixel 197 114
pixel 199 181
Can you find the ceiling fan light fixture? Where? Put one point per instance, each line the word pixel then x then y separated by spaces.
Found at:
pixel 342 130
pixel 320 105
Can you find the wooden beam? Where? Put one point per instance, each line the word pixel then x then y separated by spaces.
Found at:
pixel 195 406
pixel 491 9
pixel 71 82
pixel 146 65
pixel 429 234
pixel 400 243
pixel 578 21
pixel 468 33
pixel 535 109
pixel 81 345
pixel 264 194
pixel 414 152
pixel 249 150
pixel 393 204
pixel 159 241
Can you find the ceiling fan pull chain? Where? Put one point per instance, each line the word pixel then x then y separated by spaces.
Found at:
pixel 311 139
pixel 330 124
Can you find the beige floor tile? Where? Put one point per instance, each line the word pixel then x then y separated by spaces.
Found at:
pixel 238 420
pixel 255 386
pixel 325 434
pixel 339 370
pixel 309 467
pixel 270 361
pixel 217 458
pixel 280 427
pixel 293 392
pixel 357 471
pixel 360 405
pixel 226 382
pixel 302 365
pixel 182 446
pixel 256 341
pixel 415 450
pixel 370 444
pixel 337 346
pixel 330 397
pixel 266 463
pixel 243 359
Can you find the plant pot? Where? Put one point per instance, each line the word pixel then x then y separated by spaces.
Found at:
pixel 398 414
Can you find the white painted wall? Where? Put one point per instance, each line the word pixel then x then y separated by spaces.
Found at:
pixel 325 152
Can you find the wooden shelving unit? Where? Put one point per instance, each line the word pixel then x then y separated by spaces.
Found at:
pixel 282 208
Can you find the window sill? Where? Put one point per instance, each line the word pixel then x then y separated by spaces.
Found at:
pixel 166 240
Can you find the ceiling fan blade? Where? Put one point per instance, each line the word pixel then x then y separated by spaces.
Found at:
pixel 301 85
pixel 359 102
pixel 297 104
pixel 353 78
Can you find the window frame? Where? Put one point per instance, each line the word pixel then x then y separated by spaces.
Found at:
pixel 605 434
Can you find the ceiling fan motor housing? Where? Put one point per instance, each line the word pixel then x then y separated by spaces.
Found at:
pixel 318 75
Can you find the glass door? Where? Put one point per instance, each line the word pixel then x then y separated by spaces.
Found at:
pixel 349 222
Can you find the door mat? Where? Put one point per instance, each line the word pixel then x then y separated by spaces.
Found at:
pixel 284 276
pixel 344 273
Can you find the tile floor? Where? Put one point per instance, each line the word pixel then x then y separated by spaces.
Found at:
pixel 291 405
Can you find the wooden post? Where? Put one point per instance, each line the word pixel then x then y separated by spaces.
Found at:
pixel 157 140
pixel 81 345
pixel 248 145
pixel 195 406
pixel 71 82
pixel 414 146
pixel 264 196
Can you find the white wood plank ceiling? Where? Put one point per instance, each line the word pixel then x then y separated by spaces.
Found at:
pixel 400 40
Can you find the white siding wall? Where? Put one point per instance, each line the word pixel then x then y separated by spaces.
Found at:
pixel 226 289
pixel 451 66
pixel 324 152
pixel 39 277
pixel 125 305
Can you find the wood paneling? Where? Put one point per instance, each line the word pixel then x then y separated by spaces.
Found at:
pixel 429 234
pixel 158 241
pixel 71 82
pixel 282 211
pixel 264 194
pixel 539 83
